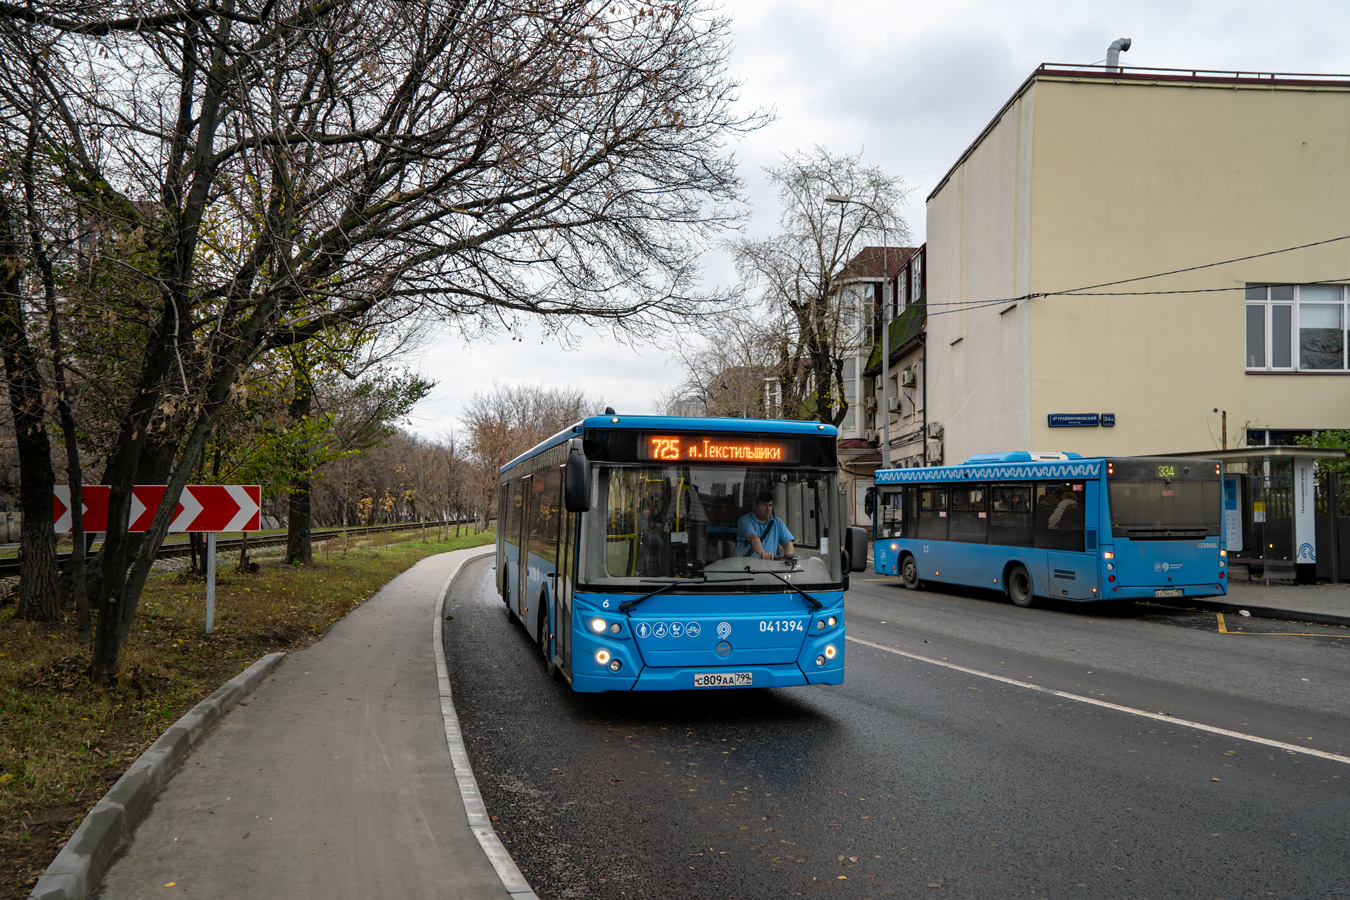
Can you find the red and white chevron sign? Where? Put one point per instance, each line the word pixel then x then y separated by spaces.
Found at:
pixel 202 507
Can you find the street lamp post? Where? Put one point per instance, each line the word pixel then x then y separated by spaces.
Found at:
pixel 840 200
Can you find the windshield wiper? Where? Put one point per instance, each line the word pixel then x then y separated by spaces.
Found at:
pixel 815 604
pixel 626 605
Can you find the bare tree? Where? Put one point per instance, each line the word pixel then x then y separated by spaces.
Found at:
pixel 799 275
pixel 735 371
pixel 509 420
pixel 264 172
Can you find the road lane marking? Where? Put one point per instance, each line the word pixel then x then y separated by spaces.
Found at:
pixel 1223 629
pixel 1186 723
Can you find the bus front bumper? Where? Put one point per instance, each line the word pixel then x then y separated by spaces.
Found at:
pixel 652 678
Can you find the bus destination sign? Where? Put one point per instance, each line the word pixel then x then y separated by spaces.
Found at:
pixel 717 448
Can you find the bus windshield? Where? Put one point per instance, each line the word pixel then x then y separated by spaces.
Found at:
pixel 1164 498
pixel 664 522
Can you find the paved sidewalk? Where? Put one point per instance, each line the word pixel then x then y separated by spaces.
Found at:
pixel 333 780
pixel 1328 604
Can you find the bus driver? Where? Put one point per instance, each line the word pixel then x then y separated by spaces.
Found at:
pixel 760 530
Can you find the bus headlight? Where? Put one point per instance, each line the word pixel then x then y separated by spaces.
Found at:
pixel 833 621
pixel 597 625
pixel 602 657
pixel 830 652
pixel 615 628
pixel 820 624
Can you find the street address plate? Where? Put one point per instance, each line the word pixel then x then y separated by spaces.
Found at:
pixel 1169 592
pixel 724 679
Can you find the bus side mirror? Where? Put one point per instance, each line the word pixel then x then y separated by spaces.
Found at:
pixel 577 483
pixel 856 541
pixel 870 501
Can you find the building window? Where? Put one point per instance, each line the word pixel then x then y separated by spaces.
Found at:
pixel 1298 328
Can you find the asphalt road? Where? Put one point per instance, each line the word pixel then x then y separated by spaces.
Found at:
pixel 915 778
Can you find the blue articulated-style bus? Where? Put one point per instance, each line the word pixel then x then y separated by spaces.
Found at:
pixel 623 549
pixel 1055 525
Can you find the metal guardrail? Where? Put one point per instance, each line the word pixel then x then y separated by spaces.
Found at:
pixel 10 567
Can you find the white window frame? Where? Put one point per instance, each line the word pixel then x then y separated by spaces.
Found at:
pixel 1267 306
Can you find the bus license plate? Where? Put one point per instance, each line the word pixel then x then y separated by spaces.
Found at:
pixel 724 679
pixel 1169 592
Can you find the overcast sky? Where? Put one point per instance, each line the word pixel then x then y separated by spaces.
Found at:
pixel 909 85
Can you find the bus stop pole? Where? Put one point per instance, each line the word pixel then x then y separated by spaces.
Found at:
pixel 210 581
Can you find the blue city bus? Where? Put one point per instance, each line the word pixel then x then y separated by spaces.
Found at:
pixel 1055 525
pixel 617 550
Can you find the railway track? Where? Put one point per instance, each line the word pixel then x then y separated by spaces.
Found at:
pixel 9 566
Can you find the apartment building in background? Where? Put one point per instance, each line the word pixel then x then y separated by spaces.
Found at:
pixel 1135 261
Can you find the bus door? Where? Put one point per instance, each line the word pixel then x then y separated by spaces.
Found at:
pixel 527 513
pixel 562 583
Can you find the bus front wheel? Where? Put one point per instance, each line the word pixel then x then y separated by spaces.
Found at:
pixel 545 648
pixel 1018 584
pixel 909 572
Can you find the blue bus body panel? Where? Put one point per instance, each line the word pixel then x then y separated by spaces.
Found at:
pixel 666 640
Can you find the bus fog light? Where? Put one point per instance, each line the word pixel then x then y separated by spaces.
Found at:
pixel 597 625
pixel 615 665
pixel 820 660
pixel 830 651
pixel 614 629
pixel 602 657
pixel 833 621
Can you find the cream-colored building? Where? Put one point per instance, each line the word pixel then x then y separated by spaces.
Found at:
pixel 1122 242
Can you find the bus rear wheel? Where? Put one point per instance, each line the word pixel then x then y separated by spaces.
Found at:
pixel 1018 583
pixel 909 572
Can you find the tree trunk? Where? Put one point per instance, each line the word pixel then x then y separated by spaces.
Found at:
pixel 298 546
pixel 37 544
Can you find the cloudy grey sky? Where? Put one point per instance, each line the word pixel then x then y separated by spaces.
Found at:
pixel 909 85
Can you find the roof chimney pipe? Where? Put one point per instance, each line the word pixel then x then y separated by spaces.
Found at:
pixel 1113 53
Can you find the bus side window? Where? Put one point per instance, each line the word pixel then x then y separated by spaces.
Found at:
pixel 970 515
pixel 1010 522
pixel 933 513
pixel 1059 515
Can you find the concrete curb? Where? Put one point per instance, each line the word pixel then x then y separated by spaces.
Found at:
pixel 479 821
pixel 1210 604
pixel 82 860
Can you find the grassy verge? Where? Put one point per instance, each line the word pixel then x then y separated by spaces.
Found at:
pixel 64 741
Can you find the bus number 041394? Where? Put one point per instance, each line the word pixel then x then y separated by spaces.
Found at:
pixel 782 625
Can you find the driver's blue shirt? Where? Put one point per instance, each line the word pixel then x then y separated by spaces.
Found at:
pixel 772 534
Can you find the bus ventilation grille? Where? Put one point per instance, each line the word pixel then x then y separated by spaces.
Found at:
pixel 1091 538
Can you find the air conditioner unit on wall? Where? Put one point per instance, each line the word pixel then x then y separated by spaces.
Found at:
pixel 933 451
pixel 935 429
pixel 907 378
pixel 895 404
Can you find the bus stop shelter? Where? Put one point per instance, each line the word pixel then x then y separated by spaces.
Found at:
pixel 1281 516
